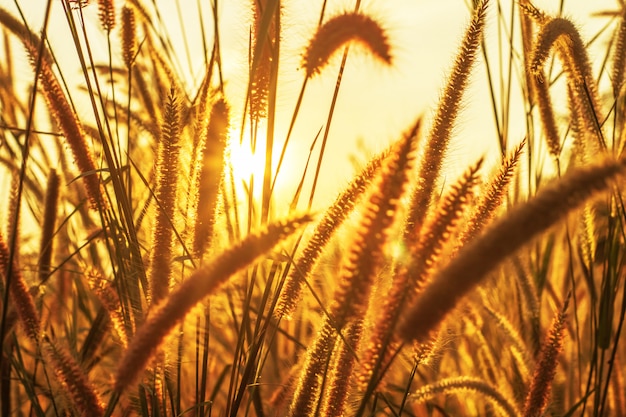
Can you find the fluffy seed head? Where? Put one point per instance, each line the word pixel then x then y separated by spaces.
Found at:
pixel 341 30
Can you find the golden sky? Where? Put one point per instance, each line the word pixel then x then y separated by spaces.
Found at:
pixel 376 103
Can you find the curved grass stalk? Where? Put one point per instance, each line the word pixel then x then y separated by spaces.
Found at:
pixel 464 384
pixel 340 30
pixel 561 34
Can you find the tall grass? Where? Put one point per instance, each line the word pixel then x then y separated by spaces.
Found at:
pixel 144 274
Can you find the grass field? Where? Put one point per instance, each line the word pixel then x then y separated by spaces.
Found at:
pixel 168 245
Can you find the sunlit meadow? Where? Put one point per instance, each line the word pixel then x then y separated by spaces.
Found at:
pixel 266 208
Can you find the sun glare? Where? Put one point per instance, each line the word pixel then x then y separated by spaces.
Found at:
pixel 247 159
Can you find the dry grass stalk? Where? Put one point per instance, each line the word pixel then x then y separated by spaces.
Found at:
pixel 340 30
pixel 166 190
pixel 474 262
pixel 541 384
pixel 49 223
pixel 447 110
pixel 325 228
pixel 200 284
pixel 210 175
pixel 464 384
pixel 74 380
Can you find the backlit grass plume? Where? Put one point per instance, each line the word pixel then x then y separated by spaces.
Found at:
pixel 330 221
pixel 128 35
pixel 210 175
pixel 70 126
pixel 166 189
pixel 266 43
pixel 20 295
pixel 360 266
pixel 561 35
pixel 106 12
pixel 464 385
pixel 438 138
pixel 474 262
pixel 199 285
pixel 49 222
pixel 413 272
pixel 540 387
pixel 340 30
pixel 84 398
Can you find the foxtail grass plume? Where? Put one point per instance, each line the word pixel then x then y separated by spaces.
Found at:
pixel 211 174
pixel 438 138
pixel 330 222
pixel 199 285
pixel 166 190
pixel 546 114
pixel 106 13
pixel 20 295
pixel 414 272
pixel 129 35
pixel 359 267
pixel 340 30
pixel 265 46
pixel 541 384
pixel 110 300
pixel 342 370
pixel 71 128
pixel 521 224
pixel 49 221
pixel 493 195
pixel 366 252
pixel 561 35
pixel 13 227
pixel 76 385
pixel 619 57
pixel 464 384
